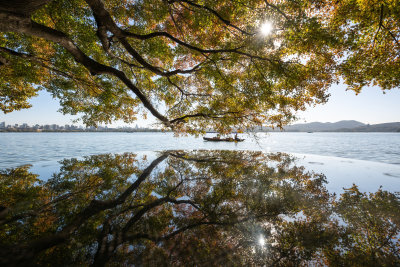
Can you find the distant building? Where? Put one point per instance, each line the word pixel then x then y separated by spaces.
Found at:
pixel 2 125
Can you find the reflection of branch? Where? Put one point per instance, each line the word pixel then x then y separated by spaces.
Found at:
pixel 15 217
pixel 216 223
pixel 212 159
pixel 125 237
pixel 95 207
pixel 141 178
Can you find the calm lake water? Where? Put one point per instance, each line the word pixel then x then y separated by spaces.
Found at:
pixel 201 208
pixel 150 199
pixel 31 148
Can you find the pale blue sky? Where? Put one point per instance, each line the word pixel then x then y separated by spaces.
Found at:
pixel 370 106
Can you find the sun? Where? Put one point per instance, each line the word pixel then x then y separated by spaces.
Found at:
pixel 266 28
pixel 261 241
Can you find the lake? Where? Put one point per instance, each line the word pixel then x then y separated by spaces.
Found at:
pixel 150 199
pixel 31 148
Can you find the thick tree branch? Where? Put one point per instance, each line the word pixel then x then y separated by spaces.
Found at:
pixel 22 7
pixel 27 26
pixel 178 41
pixel 236 50
pixel 105 21
pixel 101 14
pixel 26 251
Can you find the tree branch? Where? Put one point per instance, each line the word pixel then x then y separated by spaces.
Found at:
pixel 227 22
pixel 380 25
pixel 277 9
pixel 27 26
pixel 104 20
pixel 204 115
pixel 392 35
pixel 27 251
pixel 176 40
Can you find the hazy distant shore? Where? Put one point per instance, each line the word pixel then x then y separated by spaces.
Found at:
pixel 340 126
pixel 77 131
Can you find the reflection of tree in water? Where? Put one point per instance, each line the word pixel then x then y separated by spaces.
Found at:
pixel 195 208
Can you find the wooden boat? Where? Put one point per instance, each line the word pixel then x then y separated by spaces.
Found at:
pixel 217 139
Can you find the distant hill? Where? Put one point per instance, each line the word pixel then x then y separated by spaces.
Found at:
pixel 320 126
pixel 382 127
pixel 343 126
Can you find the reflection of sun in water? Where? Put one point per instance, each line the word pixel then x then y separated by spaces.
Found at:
pixel 266 28
pixel 261 241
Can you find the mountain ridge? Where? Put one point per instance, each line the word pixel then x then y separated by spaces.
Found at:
pixel 342 126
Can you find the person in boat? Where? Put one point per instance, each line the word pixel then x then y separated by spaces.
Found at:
pixel 236 137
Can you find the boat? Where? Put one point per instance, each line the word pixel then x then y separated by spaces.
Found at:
pixel 218 139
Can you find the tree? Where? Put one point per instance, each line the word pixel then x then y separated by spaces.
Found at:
pixel 370 41
pixel 194 64
pixel 191 64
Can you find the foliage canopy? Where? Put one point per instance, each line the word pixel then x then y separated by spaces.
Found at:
pixel 194 64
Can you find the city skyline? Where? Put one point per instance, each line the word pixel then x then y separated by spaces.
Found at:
pixel 3 124
pixel 25 127
pixel 54 126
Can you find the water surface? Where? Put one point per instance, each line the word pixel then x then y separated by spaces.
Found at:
pixel 151 199
pixel 30 148
pixel 200 208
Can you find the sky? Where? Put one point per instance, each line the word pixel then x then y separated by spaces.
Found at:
pixel 370 106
